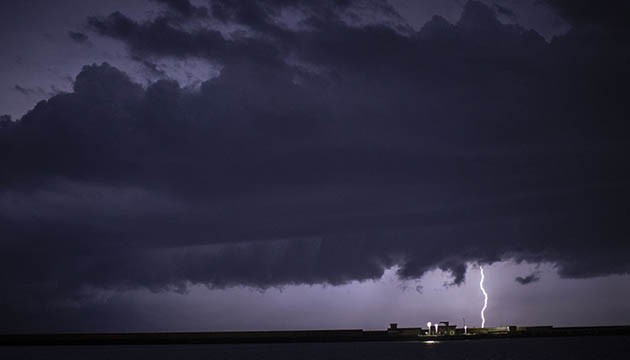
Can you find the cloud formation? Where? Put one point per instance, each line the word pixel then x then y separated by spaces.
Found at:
pixel 78 37
pixel 607 13
pixel 184 8
pixel 524 280
pixel 324 152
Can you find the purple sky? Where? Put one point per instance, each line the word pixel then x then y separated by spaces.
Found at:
pixel 374 304
pixel 232 165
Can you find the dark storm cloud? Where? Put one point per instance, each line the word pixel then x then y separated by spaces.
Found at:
pixel 150 66
pixel 5 120
pixel 320 154
pixel 36 91
pixel 22 90
pixel 606 13
pixel 78 37
pixel 184 8
pixel 269 41
pixel 162 37
pixel 524 280
pixel 505 11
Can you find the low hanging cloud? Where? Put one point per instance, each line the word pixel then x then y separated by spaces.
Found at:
pixel 184 8
pixel 525 280
pixel 322 153
pixel 607 14
pixel 79 37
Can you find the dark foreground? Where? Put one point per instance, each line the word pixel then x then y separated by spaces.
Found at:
pixel 354 335
pixel 599 347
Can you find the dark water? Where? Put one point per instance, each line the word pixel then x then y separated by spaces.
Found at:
pixel 504 349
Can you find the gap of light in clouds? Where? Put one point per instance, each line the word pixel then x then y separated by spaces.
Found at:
pixel 374 304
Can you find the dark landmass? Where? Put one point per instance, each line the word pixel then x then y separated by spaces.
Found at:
pixel 392 334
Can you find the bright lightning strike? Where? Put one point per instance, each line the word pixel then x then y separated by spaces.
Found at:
pixel 485 300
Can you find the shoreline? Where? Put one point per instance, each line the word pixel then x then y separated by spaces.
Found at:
pixel 321 336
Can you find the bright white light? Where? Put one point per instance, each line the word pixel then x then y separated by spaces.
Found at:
pixel 485 300
pixel 436 328
pixel 429 325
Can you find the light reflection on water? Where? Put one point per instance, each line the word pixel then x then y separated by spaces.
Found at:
pixel 431 342
pixel 504 349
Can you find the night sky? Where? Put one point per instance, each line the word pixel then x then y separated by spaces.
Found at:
pixel 176 165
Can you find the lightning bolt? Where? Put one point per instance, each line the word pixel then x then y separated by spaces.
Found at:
pixel 485 300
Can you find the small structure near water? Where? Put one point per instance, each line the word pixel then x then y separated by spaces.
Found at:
pixel 443 332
